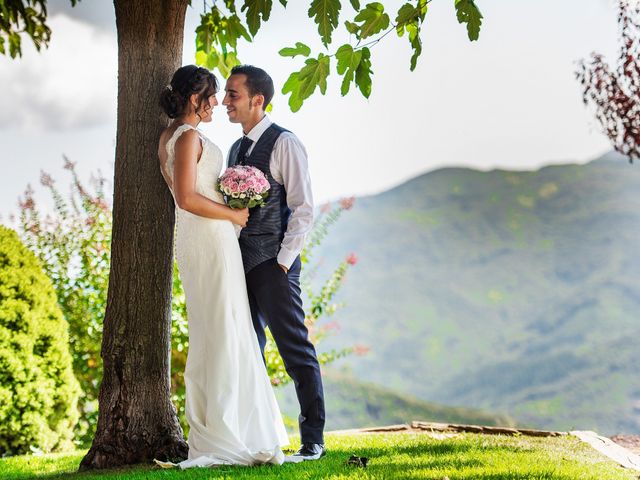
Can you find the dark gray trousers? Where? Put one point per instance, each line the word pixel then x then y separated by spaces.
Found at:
pixel 275 301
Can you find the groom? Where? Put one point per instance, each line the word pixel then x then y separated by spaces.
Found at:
pixel 272 241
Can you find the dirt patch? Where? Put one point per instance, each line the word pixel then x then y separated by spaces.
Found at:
pixel 630 442
pixel 449 428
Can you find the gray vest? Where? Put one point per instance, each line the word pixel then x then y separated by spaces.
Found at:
pixel 260 240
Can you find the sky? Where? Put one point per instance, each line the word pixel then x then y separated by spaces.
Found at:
pixel 509 100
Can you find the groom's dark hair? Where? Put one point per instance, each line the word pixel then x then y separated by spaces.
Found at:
pixel 258 82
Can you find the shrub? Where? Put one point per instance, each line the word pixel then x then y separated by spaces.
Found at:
pixel 73 245
pixel 38 392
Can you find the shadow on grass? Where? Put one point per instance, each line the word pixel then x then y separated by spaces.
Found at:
pixel 436 447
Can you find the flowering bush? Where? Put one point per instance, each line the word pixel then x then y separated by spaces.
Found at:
pixel 73 246
pixel 317 304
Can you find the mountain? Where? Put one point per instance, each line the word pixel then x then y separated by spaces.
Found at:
pixel 507 291
pixel 351 403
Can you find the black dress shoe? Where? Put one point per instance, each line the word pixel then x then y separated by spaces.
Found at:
pixel 309 451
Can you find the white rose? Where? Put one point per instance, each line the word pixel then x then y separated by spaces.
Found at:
pixel 234 195
pixel 258 197
pixel 227 191
pixel 243 195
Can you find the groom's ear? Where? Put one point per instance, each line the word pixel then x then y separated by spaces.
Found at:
pixel 258 100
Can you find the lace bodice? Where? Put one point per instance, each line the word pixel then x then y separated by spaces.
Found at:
pixel 209 166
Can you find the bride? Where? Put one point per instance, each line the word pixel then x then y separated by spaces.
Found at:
pixel 230 406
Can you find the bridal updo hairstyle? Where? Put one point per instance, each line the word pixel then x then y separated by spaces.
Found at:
pixel 185 82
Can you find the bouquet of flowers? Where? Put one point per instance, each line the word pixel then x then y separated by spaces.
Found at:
pixel 244 186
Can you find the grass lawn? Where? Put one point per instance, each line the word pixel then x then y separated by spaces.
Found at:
pixel 391 456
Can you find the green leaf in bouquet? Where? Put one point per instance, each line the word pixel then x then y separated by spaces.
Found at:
pixel 237 203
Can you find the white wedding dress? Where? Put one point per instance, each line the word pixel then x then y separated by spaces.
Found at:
pixel 230 405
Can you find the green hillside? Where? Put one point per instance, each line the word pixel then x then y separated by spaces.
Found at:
pixel 514 292
pixel 351 403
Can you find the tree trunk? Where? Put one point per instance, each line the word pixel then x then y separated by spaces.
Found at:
pixel 137 421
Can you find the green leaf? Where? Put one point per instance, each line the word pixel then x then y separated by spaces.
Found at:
pixel 292 85
pixel 406 14
pixel 314 74
pixel 207 31
pixel 325 13
pixel 299 49
pixel 257 11
pixel 209 60
pixel 14 45
pixel 302 84
pixel 355 4
pixel 373 20
pixel 363 73
pixel 234 29
pixel 284 3
pixel 217 39
pixel 343 55
pixel 348 61
pixel 227 62
pixel 26 17
pixel 416 44
pixel 351 27
pixel 409 20
pixel 468 12
pixel 201 59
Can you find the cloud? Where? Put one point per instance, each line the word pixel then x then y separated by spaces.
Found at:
pixel 97 13
pixel 71 84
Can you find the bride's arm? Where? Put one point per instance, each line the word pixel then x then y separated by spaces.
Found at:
pixel 184 184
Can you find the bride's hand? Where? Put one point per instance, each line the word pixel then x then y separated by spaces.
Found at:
pixel 240 216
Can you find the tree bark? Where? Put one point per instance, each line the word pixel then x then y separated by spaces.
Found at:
pixel 137 421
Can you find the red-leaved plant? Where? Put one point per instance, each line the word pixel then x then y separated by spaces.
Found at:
pixel 615 93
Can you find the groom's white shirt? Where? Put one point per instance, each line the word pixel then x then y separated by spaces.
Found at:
pixel 289 167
